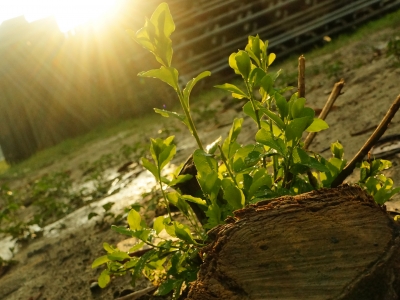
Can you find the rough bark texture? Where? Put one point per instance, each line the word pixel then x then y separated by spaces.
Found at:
pixel 328 244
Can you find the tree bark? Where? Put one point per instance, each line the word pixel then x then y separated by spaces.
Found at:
pixel 327 244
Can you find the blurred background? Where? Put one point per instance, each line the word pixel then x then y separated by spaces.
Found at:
pixel 69 66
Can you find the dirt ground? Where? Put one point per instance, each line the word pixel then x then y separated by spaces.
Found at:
pixel 58 265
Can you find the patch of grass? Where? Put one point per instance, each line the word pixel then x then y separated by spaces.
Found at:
pixel 391 20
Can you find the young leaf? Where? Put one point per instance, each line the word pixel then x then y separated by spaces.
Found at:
pixel 183 232
pixel 134 220
pixel 99 261
pixel 214 216
pixel 141 263
pixel 118 256
pixel 166 287
pixel 229 146
pixel 196 200
pixel 172 114
pixel 337 150
pixel 211 148
pixel 232 194
pixel 191 84
pixel 271 58
pixel 282 105
pixel 168 75
pixel 104 279
pixel 233 89
pixel 243 63
pixel 247 157
pixel 278 121
pixel 159 225
pixel 317 125
pixel 108 248
pixel 294 130
pixel 150 167
pixel 265 137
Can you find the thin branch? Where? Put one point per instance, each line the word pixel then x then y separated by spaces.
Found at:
pixel 301 85
pixel 138 294
pixel 369 144
pixel 337 88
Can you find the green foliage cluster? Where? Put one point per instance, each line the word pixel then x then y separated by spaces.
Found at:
pixel 229 175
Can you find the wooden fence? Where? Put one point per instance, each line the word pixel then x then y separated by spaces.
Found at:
pixel 55 86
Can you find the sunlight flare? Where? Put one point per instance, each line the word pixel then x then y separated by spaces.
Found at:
pixel 68 14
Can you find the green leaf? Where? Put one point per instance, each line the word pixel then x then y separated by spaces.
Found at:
pixel 301 157
pixel 248 110
pixel 150 167
pixel 282 105
pixel 278 121
pixel 205 163
pixel 136 247
pixel 267 83
pixel 158 225
pixel 211 148
pixel 104 279
pixel 229 146
pixel 118 256
pixel 180 179
pixel 247 157
pixel 191 84
pixel 170 114
pixel 255 77
pixel 294 130
pixel 168 75
pixel 99 261
pixel 183 232
pixel 243 63
pixel 337 150
pixel 297 105
pixel 265 137
pixel 166 287
pixel 162 19
pixel 232 62
pixel 317 125
pixel 134 220
pixel 167 155
pixel 214 216
pixel 196 200
pixel 108 248
pixel 260 178
pixel 271 58
pixel 232 194
pixel 176 199
pixel 253 49
pixel 122 230
pixel 141 263
pixel 233 89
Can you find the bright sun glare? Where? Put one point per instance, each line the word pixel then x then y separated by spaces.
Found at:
pixel 68 13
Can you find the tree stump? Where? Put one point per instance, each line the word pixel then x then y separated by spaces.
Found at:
pixel 327 244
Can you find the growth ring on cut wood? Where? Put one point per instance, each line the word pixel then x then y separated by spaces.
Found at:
pixel 327 244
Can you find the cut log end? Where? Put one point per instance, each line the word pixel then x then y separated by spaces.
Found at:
pixel 327 244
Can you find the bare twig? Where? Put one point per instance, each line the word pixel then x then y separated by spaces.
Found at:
pixel 337 88
pixel 301 85
pixel 138 294
pixel 376 135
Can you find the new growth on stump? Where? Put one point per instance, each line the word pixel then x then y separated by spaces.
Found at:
pixel 226 182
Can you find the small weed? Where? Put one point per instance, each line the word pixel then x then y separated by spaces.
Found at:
pixel 393 50
pixel 334 69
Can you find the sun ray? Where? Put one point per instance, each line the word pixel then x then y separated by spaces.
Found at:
pixel 69 14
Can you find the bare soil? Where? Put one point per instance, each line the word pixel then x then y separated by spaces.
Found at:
pixel 58 265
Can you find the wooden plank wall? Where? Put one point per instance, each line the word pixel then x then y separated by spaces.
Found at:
pixel 55 86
